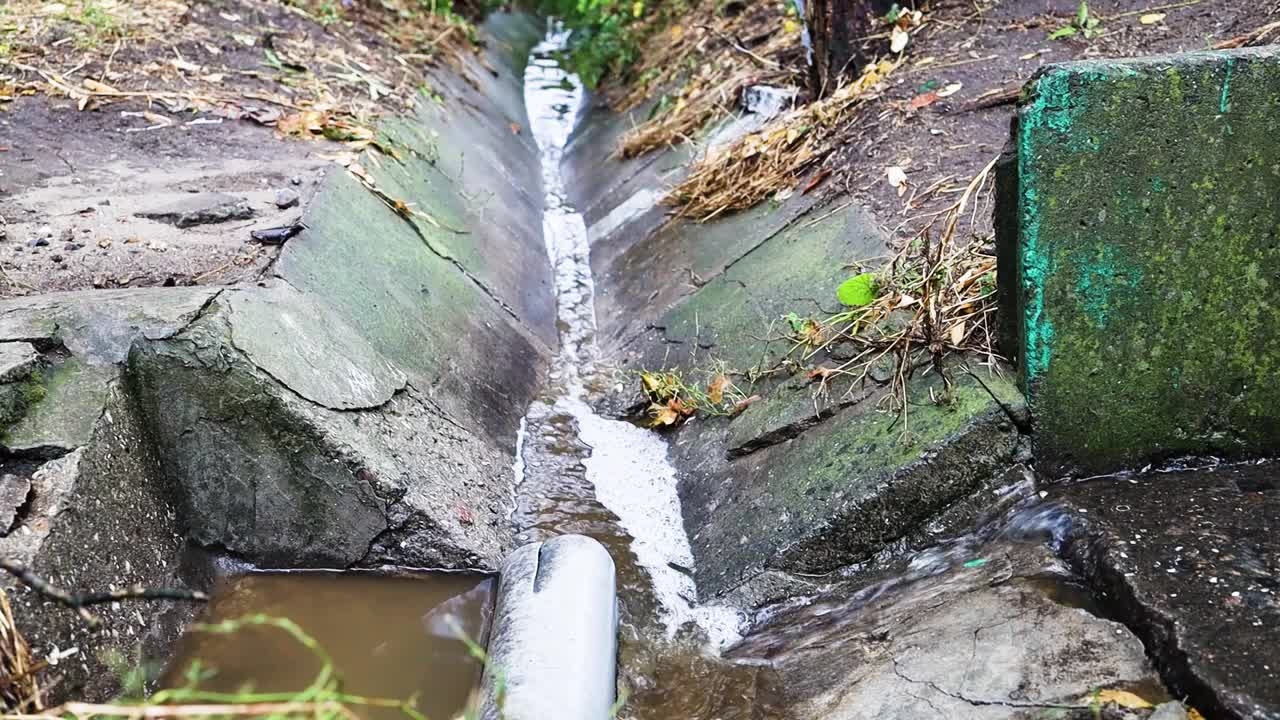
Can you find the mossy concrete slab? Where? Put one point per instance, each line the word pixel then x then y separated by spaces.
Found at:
pixel 1145 233
pixel 839 492
pixel 17 359
pixel 732 317
pixel 309 349
pixel 99 325
pixel 418 310
pixel 63 405
pixel 263 471
pixel 636 288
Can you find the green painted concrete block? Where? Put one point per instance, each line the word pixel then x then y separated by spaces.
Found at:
pixel 1139 228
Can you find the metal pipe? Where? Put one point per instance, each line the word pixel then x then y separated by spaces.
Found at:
pixel 553 649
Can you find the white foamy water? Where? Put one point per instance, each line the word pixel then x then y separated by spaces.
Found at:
pixel 628 467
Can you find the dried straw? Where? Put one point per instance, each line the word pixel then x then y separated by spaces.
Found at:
pixel 19 691
pixel 763 163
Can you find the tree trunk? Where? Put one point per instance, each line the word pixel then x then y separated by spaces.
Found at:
pixel 836 30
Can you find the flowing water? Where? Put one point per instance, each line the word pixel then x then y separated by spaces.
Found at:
pixel 579 472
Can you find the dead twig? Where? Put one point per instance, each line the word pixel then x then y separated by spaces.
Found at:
pixel 80 602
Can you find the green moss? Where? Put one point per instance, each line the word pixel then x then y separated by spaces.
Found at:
pixel 1151 318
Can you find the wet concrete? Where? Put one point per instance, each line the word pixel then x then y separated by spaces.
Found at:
pixel 1190 559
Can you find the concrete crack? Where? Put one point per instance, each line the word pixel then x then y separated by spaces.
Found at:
pixel 978 702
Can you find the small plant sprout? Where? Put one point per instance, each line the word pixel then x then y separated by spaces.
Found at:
pixel 1085 24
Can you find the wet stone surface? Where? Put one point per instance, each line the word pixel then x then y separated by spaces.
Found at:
pixel 1191 559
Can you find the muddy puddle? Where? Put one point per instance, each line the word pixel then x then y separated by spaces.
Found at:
pixel 388 636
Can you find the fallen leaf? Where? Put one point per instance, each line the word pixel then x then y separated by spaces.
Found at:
pixel 924 100
pixel 906 301
pixel 743 404
pixel 897 178
pixel 157 118
pixel 957 333
pixel 950 89
pixel 1120 698
pixel 821 175
pixel 95 86
pixel 857 291
pixel 1152 18
pixel 898 39
pixel 662 415
pixel 716 388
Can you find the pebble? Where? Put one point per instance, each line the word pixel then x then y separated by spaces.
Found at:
pixel 72 246
pixel 56 258
pixel 296 180
pixel 37 242
pixel 45 231
pixel 158 246
pixel 286 198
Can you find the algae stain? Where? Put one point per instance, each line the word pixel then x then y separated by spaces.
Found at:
pixel 1049 107
pixel 1100 276
pixel 1225 104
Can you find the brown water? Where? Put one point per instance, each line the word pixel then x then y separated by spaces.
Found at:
pixel 388 636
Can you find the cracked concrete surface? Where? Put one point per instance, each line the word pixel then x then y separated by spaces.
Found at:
pixel 991 641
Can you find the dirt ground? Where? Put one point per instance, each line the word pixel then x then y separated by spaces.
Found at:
pixel 991 47
pixel 142 142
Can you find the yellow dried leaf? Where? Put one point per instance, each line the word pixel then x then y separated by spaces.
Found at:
pixel 716 388
pixel 1152 18
pixel 95 86
pixel 1119 698
pixel 662 415
pixel 677 32
pixel 957 333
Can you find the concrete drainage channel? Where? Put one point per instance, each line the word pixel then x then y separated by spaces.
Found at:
pixel 806 565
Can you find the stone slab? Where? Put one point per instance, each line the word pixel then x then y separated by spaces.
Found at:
pixel 17 359
pixel 1144 239
pixel 844 488
pixel 100 325
pixel 1191 561
pixel 65 404
pixel 309 349
pixel 972 643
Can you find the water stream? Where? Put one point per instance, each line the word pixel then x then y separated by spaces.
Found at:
pixel 578 471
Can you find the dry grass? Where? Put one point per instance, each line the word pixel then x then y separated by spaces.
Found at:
pixel 774 159
pixel 259 60
pixel 19 690
pixel 705 61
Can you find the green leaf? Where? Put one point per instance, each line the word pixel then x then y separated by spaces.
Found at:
pixel 858 291
pixel 1063 32
pixel 1082 13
